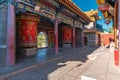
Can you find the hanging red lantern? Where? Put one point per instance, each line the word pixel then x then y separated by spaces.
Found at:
pixel 103 7
pixel 107 22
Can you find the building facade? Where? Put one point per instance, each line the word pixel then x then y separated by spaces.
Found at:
pixel 111 10
pixel 30 24
pixel 90 31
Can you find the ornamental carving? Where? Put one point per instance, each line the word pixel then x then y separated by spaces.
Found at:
pixel 103 7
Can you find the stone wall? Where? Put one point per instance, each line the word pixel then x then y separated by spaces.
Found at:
pixel 3 35
pixel 91 39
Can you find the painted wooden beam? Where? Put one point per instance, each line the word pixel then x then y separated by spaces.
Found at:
pixel 119 28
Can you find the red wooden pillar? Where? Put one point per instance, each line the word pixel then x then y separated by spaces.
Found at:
pixel 56 35
pixel 11 35
pixel 115 24
pixel 73 39
pixel 82 35
pixel 119 28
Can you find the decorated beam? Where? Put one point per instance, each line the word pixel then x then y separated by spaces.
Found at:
pixel 44 8
pixel 65 19
pixel 53 2
pixel 61 10
pixel 39 8
pixel 78 24
pixel 69 4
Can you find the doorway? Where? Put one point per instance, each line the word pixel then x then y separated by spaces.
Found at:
pixel 85 40
pixel 42 40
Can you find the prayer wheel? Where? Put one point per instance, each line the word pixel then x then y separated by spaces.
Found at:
pixel 66 34
pixel 27 29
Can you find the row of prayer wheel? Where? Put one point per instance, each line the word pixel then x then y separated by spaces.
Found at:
pixel 28 30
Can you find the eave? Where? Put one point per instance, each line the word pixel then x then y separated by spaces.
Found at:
pixel 75 9
pixel 100 2
pixel 93 15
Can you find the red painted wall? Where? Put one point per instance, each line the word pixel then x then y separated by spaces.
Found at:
pixel 105 39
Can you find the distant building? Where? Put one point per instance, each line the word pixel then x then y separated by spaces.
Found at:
pixel 90 30
pixel 110 11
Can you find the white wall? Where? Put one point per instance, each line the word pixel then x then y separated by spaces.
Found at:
pixel 90 25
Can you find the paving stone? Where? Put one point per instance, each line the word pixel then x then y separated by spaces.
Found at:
pixel 67 77
pixel 73 73
pixel 69 67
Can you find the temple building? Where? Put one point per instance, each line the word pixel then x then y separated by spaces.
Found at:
pixel 94 37
pixel 91 35
pixel 27 25
pixel 111 11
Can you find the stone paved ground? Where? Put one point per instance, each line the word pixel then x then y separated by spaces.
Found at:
pixel 67 67
pixel 43 55
pixel 103 68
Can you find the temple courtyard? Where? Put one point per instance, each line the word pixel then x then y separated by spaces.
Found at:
pixel 87 63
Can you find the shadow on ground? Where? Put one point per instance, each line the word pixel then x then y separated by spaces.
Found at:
pixel 60 64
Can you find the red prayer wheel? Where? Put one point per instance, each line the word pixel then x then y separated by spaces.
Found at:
pixel 27 29
pixel 66 35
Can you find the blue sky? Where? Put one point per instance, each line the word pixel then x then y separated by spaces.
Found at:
pixel 87 5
